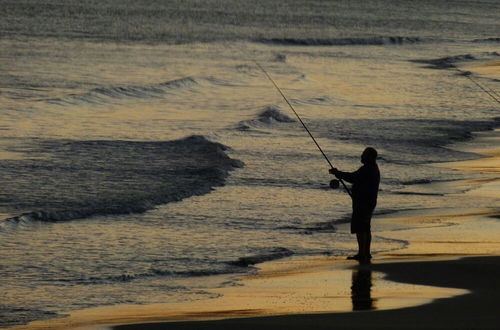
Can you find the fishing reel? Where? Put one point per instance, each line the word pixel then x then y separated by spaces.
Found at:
pixel 334 184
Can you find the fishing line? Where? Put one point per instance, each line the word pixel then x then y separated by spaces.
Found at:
pixel 491 93
pixel 302 122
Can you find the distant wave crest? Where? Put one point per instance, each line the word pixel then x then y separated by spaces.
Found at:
pixel 451 61
pixel 102 95
pixel 341 41
pixel 487 40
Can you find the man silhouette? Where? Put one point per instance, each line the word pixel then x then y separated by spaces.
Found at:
pixel 365 182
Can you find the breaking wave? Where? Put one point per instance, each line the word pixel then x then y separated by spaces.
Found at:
pixel 269 115
pixel 110 177
pixel 273 113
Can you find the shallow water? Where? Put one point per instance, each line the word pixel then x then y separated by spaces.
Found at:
pixel 107 200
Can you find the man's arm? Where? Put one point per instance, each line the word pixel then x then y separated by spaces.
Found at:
pixel 350 177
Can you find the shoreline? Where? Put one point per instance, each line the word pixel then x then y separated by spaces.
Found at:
pixel 316 285
pixel 426 292
pixel 475 310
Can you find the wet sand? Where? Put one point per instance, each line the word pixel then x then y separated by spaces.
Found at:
pixel 294 285
pixel 475 310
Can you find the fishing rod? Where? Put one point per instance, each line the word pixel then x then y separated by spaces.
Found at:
pixel 304 125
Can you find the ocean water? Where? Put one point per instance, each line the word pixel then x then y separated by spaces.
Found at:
pixel 141 147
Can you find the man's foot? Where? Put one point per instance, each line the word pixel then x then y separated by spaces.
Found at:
pixel 359 258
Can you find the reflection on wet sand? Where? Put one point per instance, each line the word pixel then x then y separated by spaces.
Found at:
pixel 361 290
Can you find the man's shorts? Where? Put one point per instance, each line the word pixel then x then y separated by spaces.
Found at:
pixel 361 220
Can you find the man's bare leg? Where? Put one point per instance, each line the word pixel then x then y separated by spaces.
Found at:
pixel 367 241
pixel 364 243
pixel 359 237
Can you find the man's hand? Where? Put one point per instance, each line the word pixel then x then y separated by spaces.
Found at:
pixel 333 171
